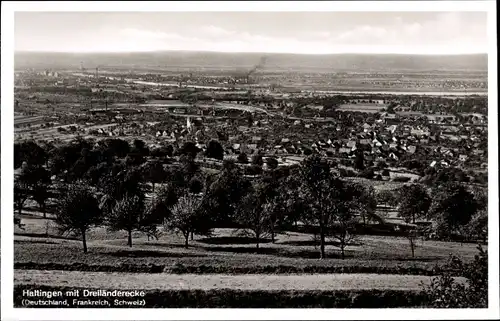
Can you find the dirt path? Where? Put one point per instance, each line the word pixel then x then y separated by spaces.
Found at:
pixel 144 281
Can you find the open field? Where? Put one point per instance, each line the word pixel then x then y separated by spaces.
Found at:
pixel 225 252
pixel 364 108
pixel 147 281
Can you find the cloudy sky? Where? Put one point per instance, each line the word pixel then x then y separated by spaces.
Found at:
pixel 289 32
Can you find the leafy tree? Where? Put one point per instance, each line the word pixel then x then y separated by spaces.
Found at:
pixel 257 160
pixel 189 149
pixel 332 202
pixel 155 173
pixel 187 216
pixel 127 215
pixel 366 196
pixel 116 147
pixel 243 158
pixel 214 150
pixel 29 152
pixel 477 228
pixel 253 215
pixel 452 207
pixel 414 202
pixel 359 161
pixel 154 215
pixel 21 193
pixel 386 197
pixel 41 194
pixel 272 163
pixel 77 211
pixel 225 192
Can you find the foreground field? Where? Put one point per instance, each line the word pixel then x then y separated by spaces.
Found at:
pixel 226 252
pixel 146 281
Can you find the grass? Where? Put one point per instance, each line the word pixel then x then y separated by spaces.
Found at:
pixel 273 282
pixel 225 298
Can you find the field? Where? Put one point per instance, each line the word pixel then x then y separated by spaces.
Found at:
pixel 273 282
pixel 364 108
pixel 225 252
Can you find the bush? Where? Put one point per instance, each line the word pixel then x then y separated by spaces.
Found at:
pixel 444 292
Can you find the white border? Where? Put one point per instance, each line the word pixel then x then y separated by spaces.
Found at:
pixel 7 44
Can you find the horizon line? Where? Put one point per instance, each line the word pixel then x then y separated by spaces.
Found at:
pixel 249 52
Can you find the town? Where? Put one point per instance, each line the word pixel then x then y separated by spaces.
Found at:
pixel 250 172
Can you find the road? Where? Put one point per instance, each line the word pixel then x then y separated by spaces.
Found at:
pixel 161 281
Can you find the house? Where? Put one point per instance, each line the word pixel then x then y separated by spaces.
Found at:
pixel 364 141
pixel 351 144
pixel 462 157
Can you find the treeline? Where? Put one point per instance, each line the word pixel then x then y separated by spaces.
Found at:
pixel 128 187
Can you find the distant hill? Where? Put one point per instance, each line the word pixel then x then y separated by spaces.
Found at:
pixel 293 62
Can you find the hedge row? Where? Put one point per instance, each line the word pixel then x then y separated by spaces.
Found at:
pixel 215 269
pixel 257 299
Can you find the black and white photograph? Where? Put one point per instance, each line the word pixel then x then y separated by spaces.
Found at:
pixel 249 158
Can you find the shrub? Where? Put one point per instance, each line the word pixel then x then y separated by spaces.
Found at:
pixel 444 292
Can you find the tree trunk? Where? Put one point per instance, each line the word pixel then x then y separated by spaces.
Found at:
pixel 84 240
pixel 186 240
pixel 19 207
pixel 364 219
pixel 413 217
pixel 192 236
pixel 153 187
pixel 129 242
pixel 272 235
pixel 44 211
pixel 342 252
pixel 322 242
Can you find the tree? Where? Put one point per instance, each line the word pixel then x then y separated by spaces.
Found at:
pixel 29 152
pixel 21 193
pixel 225 192
pixel 127 214
pixel 359 162
pixel 257 160
pixel 414 202
pixel 477 228
pixel 243 158
pixel 386 197
pixel 187 216
pixel 155 173
pixel 41 195
pixel 331 200
pixel 189 149
pixel 154 215
pixel 412 235
pixel 214 150
pixel 252 214
pixel 272 163
pixel 77 211
pixel 366 196
pixel 452 207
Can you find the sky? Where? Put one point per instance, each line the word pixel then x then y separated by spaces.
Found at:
pixel 272 32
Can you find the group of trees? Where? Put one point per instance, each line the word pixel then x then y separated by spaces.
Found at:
pixel 106 185
pixel 454 210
